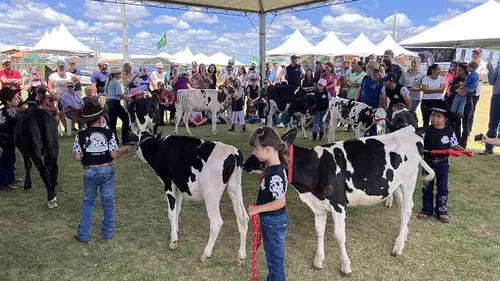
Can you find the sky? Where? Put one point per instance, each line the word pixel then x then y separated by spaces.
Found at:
pixel 23 22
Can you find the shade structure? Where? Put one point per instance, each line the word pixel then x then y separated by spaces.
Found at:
pixel 221 59
pixel 184 57
pixel 61 41
pixel 330 46
pixel 164 55
pixel 474 28
pixel 296 44
pixel 201 58
pixel 389 44
pixel 361 46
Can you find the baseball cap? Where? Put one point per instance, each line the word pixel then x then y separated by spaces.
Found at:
pixel 194 63
pixel 60 63
pixel 159 65
pixel 172 65
pixel 70 84
pixel 294 57
pixel 6 60
pixel 477 50
pixel 388 53
pixel 391 76
pixel 102 62
pixel 322 82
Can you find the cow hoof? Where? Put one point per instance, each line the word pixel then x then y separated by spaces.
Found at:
pixel 388 205
pixel 204 259
pixel 346 274
pixel 174 245
pixel 241 262
pixel 52 204
pixel 317 266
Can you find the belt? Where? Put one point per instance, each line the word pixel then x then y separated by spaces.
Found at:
pixel 437 160
pixel 109 164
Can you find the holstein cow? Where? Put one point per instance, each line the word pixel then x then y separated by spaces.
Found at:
pixel 194 169
pixel 291 99
pixel 331 177
pixel 357 114
pixel 190 100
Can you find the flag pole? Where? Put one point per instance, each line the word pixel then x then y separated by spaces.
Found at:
pixel 126 56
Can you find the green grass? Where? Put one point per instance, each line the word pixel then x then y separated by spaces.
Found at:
pixel 38 244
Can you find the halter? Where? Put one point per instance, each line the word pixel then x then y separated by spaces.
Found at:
pixel 142 140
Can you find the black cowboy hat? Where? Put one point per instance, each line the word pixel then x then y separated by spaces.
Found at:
pixel 91 111
pixel 7 94
pixel 442 107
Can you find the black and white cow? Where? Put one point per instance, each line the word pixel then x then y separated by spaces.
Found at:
pixel 289 98
pixel 142 114
pixel 189 100
pixel 357 114
pixel 331 177
pixel 194 169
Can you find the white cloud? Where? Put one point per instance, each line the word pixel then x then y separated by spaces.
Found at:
pixel 182 25
pixel 448 14
pixel 223 41
pixel 468 1
pixel 111 12
pixel 61 5
pixel 402 20
pixel 341 9
pixel 194 16
pixel 143 35
pixel 4 6
pixel 164 19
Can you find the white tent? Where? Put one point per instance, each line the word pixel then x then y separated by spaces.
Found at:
pixel 389 44
pixel 477 27
pixel 330 46
pixel 164 55
pixel 221 59
pixel 201 58
pixel 361 46
pixel 61 41
pixel 296 44
pixel 183 57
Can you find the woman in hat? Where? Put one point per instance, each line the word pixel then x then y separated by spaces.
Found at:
pixel 113 93
pixel 322 98
pixel 157 76
pixel 370 89
pixel 95 148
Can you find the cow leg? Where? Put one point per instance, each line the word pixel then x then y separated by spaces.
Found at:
pixel 212 206
pixel 399 197
pixel 214 122
pixel 172 201
pixel 303 124
pixel 178 209
pixel 178 116
pixel 331 128
pixel 339 230
pixel 406 207
pixel 53 168
pixel 320 225
pixel 44 174
pixel 187 114
pixel 234 190
pixel 27 167
pixel 272 110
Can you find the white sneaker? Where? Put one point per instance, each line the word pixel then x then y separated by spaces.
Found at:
pixel 280 125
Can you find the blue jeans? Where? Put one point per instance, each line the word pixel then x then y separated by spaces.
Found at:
pixel 318 122
pixel 494 123
pixel 274 229
pixel 414 105
pixel 285 118
pixel 93 179
pixel 7 161
pixel 475 100
pixel 253 120
pixel 441 170
pixel 458 105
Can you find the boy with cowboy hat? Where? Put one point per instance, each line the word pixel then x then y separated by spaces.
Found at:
pixel 96 147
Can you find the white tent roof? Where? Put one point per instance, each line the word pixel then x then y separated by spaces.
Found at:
pixel 294 45
pixel 330 46
pixel 201 58
pixel 61 41
pixel 361 46
pixel 474 28
pixel 389 44
pixel 183 57
pixel 164 55
pixel 221 59
pixel 119 56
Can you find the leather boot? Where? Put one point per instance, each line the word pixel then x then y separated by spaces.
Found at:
pixel 321 135
pixel 243 128
pixel 315 136
pixel 232 128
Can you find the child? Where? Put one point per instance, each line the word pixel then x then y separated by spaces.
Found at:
pixel 468 88
pixel 252 116
pixel 322 98
pixel 96 147
pixel 88 95
pixel 237 107
pixel 438 136
pixel 271 202
pixel 46 102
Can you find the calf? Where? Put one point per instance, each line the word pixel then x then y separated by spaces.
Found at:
pixel 357 114
pixel 289 98
pixel 142 113
pixel 331 177
pixel 190 100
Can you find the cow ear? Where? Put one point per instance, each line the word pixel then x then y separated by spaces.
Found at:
pixel 289 136
pixel 420 131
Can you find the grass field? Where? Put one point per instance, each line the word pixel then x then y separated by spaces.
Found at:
pixel 38 244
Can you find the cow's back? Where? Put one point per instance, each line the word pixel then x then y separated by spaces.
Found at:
pixel 36 132
pixel 200 100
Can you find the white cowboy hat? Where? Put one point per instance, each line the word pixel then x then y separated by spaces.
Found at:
pixel 115 70
pixel 159 65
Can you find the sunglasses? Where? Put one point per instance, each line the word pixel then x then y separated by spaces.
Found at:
pixel 71 86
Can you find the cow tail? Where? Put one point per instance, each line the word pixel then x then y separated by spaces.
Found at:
pixel 427 169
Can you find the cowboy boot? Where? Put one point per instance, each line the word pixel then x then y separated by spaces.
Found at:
pixel 232 128
pixel 315 136
pixel 321 135
pixel 243 128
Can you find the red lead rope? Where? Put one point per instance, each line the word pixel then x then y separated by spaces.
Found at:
pixel 451 152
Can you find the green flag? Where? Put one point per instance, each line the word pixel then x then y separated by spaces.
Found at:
pixel 255 60
pixel 162 42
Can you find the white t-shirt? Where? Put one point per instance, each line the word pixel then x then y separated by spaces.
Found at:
pixel 158 77
pixel 61 83
pixel 481 69
pixel 433 84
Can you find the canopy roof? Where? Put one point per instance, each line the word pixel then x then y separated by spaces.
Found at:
pixel 201 58
pixel 330 46
pixel 361 46
pixel 221 59
pixel 389 44
pixel 296 44
pixel 183 57
pixel 474 28
pixel 61 41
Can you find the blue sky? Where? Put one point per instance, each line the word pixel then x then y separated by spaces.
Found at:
pixel 23 22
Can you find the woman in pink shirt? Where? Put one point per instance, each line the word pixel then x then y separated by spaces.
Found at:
pixel 450 75
pixel 331 79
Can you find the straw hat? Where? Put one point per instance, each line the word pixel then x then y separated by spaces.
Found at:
pixel 376 66
pixel 91 110
pixel 115 70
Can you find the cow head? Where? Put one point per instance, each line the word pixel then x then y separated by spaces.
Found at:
pixel 253 165
pixel 403 118
pixel 379 116
pixel 143 137
pixel 224 96
pixel 142 113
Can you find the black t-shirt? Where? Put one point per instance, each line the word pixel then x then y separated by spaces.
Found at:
pixel 273 187
pixel 293 75
pixel 252 92
pixel 396 69
pixel 214 81
pixel 397 95
pixel 321 99
pixel 439 139
pixel 306 83
pixel 95 144
pixel 455 84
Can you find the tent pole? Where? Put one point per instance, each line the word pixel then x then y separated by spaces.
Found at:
pixel 262 46
pixel 126 57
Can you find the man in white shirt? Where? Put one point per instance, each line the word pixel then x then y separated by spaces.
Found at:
pixel 157 76
pixel 482 70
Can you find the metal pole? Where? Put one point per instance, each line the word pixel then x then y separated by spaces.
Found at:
pixel 262 47
pixel 394 27
pixel 126 57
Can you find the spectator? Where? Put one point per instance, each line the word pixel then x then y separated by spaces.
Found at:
pixel 433 86
pixel 395 92
pixel 212 70
pixel 242 75
pixel 389 54
pixel 477 53
pixel 252 116
pixel 193 70
pixel 99 78
pixel 167 102
pixel 143 79
pixel 274 72
pixel 461 122
pixel 449 76
pixel 58 82
pixel 10 77
pixel 229 77
pixel 494 122
pixel 345 72
pixel 412 80
pixel 88 95
pixel 71 103
pixel 268 71
pixel 467 88
pixel 252 73
pixel 32 84
pixel 318 70
pixel 201 79
pixel 253 92
pixel 402 62
pixel 281 76
pixel 129 80
pixel 331 79
pixel 114 93
pixel 157 76
pixel 75 71
pixel 237 108
pixel 47 102
pixel 229 63
pixel 178 80
pixel 321 97
pixel 294 72
pixel 308 84
pixel 355 80
pixel 370 90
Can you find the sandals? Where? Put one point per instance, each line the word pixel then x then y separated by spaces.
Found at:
pixel 422 216
pixel 444 218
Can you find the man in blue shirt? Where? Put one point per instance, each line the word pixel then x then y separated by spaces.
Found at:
pixel 72 102
pixel 274 72
pixel 99 77
pixel 494 123
pixel 77 72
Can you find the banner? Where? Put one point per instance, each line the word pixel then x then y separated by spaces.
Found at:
pixel 162 42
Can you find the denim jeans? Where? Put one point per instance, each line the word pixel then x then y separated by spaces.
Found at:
pixel 475 100
pixel 94 179
pixel 414 105
pixel 458 104
pixel 461 125
pixel 274 229
pixel 494 123
pixel 117 111
pixel 7 161
pixel 253 120
pixel 318 122
pixel 285 118
pixel 441 170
